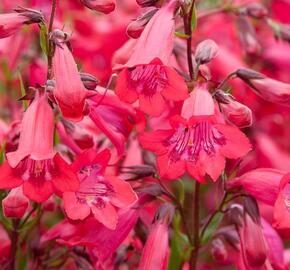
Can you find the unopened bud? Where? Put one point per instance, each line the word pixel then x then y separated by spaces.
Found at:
pixel 147 3
pixel 234 111
pixel 256 10
pixel 152 189
pixel 34 16
pixel 248 35
pixel 136 27
pixel 235 215
pixel 104 6
pixel 90 82
pixel 164 213
pixel 139 171
pixel 205 51
pixel 57 37
pixel 218 250
pixel 249 74
pixel 251 208
pixel 15 204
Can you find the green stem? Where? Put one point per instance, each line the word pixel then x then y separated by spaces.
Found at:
pixel 14 244
pixel 196 239
pixel 50 44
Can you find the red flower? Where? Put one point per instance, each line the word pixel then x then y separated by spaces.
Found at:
pixel 12 22
pixel 197 144
pixel 97 193
pixel 35 164
pixel 68 83
pixel 156 249
pixel 147 75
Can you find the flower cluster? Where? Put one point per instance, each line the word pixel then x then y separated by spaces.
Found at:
pixel 145 135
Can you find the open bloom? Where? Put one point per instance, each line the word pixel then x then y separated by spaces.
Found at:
pixel 69 91
pixel 35 164
pixel 147 76
pixel 97 193
pixel 196 143
pixel 11 22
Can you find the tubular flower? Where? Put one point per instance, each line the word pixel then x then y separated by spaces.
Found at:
pixel 147 75
pixel 12 22
pixel 68 83
pixel 97 193
pixel 35 164
pixel 196 143
pixel 267 88
pixel 113 117
pixel 156 249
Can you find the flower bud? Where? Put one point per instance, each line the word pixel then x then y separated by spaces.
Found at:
pixel 156 249
pixel 139 171
pixel 205 51
pixel 218 250
pixel 15 204
pixel 234 111
pixel 104 6
pixel 146 3
pixel 90 82
pixel 248 36
pixel 256 10
pixel 267 88
pixel 34 16
pixel 136 27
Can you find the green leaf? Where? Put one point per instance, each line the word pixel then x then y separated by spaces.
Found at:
pixel 23 91
pixel 43 38
pixel 193 18
pixel 212 227
pixel 182 35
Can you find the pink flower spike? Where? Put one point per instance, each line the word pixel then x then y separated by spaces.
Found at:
pixel 68 84
pixel 15 204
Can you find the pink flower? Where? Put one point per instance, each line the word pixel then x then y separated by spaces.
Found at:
pixel 68 84
pixel 156 249
pixel 147 76
pixel 196 143
pixel 35 164
pixel 267 88
pixel 262 183
pixel 12 22
pixel 104 6
pixel 97 194
pixel 15 204
pixel 103 241
pixel 114 118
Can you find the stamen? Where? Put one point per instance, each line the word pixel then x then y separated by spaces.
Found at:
pixel 148 79
pixel 188 142
pixel 286 195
